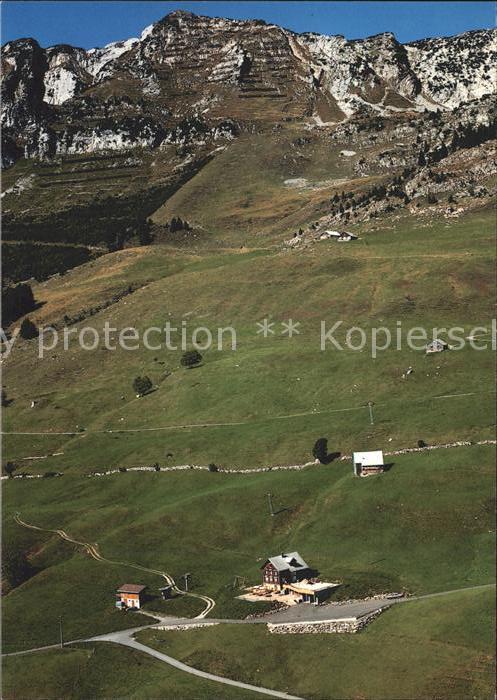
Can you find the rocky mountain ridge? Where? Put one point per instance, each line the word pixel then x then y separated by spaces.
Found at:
pixel 188 75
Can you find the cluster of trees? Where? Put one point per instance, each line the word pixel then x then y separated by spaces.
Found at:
pixel 16 301
pixel 23 260
pixel 320 452
pixel 348 202
pixel 469 135
pixel 105 220
pixel 145 235
pixel 15 567
pixel 461 136
pixel 178 224
pixel 143 385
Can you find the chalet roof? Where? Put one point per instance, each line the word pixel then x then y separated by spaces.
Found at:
pixel 131 588
pixel 373 458
pixel 288 562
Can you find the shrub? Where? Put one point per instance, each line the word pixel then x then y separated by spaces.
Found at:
pixel 213 467
pixel 191 358
pixel 431 198
pixel 142 385
pixel 28 329
pixel 15 567
pixel 422 443
pixel 10 468
pixel 320 450
pixel 122 470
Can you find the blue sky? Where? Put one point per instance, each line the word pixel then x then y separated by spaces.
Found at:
pixel 89 24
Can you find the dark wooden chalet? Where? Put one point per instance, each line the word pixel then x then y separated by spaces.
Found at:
pixel 284 568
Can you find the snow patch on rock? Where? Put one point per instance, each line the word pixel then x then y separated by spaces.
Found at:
pixel 98 58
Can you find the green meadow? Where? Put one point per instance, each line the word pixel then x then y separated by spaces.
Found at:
pixel 439 647
pixel 103 670
pixel 426 525
pixel 267 401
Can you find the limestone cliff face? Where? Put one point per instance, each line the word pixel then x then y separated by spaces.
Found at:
pixel 221 76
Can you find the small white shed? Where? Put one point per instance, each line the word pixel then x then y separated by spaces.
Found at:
pixel 338 236
pixel 366 463
pixel 436 345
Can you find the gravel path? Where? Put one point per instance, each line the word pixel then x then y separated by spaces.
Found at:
pixel 92 550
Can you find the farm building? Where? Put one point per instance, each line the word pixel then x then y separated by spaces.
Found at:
pixel 338 236
pixel 129 595
pixel 366 463
pixel 284 568
pixel 436 346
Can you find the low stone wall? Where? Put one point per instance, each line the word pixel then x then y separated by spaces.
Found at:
pixel 183 628
pixel 427 448
pixel 345 625
pixel 198 467
pixel 223 470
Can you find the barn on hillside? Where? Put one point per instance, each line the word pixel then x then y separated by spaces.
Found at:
pixel 366 463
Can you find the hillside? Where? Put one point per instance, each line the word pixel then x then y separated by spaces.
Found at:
pixel 300 199
pixel 270 399
pixel 396 532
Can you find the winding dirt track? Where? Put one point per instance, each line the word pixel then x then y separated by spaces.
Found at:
pixel 92 550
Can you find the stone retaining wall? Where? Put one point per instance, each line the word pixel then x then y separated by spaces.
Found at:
pixel 345 625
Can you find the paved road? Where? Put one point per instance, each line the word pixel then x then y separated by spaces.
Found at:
pixel 125 638
pixel 309 613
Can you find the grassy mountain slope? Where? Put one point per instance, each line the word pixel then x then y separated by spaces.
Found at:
pixel 426 525
pixel 273 396
pixel 252 196
pixel 81 672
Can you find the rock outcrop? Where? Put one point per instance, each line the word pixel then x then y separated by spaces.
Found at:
pixel 226 75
